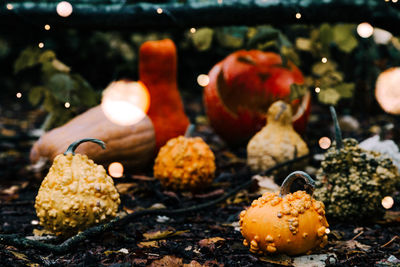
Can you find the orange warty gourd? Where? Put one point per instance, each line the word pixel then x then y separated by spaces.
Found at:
pixel 283 222
pixel 185 163
pixel 158 70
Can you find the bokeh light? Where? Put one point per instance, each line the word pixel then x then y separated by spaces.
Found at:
pixel 125 102
pixel 325 142
pixel 387 90
pixel 41 45
pixel 9 6
pixel 365 30
pixel 64 9
pixel 387 202
pixel 116 170
pixel 159 10
pixel 203 80
pixel 67 105
pixel 192 30
pixel 47 27
pixel 324 60
pixel 298 15
pixel 317 90
pixel 18 95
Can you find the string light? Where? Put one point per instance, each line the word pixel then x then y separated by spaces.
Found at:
pixel 203 80
pixel 324 142
pixel 317 90
pixel 394 1
pixel 324 60
pixel 116 169
pixel 9 6
pixel 19 95
pixel 159 10
pixel 327 231
pixel 192 30
pixel 387 202
pixel 47 27
pixel 67 105
pixel 298 15
pixel 41 45
pixel 365 30
pixel 64 9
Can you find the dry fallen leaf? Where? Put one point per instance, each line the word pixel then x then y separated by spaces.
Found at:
pixel 350 245
pixel 151 244
pixel 167 261
pixel 280 259
pixel 211 243
pixel 162 234
pixel 240 197
pixel 125 188
pixel 266 184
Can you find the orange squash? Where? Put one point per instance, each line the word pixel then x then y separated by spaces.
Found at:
pixel 157 70
pixel 283 222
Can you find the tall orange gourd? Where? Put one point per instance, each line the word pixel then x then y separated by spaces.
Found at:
pixel 157 70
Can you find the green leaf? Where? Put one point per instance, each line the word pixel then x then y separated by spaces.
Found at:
pixel 326 37
pixel 36 94
pixel 27 59
pixel 202 38
pixel 231 37
pixel 329 96
pixel 303 44
pixel 345 90
pixel 84 95
pixel 61 85
pixel 319 69
pixel 288 53
pixel 297 91
pixel 263 35
pixel 344 37
pixel 46 56
pixel 50 103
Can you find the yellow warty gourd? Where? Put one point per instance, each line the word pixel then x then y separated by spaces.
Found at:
pixel 277 141
pixel 75 194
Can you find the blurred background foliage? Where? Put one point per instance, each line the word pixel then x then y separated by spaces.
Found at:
pixel 74 66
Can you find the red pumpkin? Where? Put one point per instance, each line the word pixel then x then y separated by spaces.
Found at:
pixel 241 89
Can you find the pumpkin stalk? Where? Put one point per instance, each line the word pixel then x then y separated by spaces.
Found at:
pixel 285 187
pixel 190 130
pixel 74 145
pixel 338 132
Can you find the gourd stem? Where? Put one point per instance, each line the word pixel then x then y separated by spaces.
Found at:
pixel 74 145
pixel 285 187
pixel 338 132
pixel 190 130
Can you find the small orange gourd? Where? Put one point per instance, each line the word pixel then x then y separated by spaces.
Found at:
pixel 283 222
pixel 185 163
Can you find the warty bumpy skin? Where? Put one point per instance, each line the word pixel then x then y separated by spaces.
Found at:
pixel 277 141
pixel 185 163
pixel 75 194
pixel 294 224
pixel 352 181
